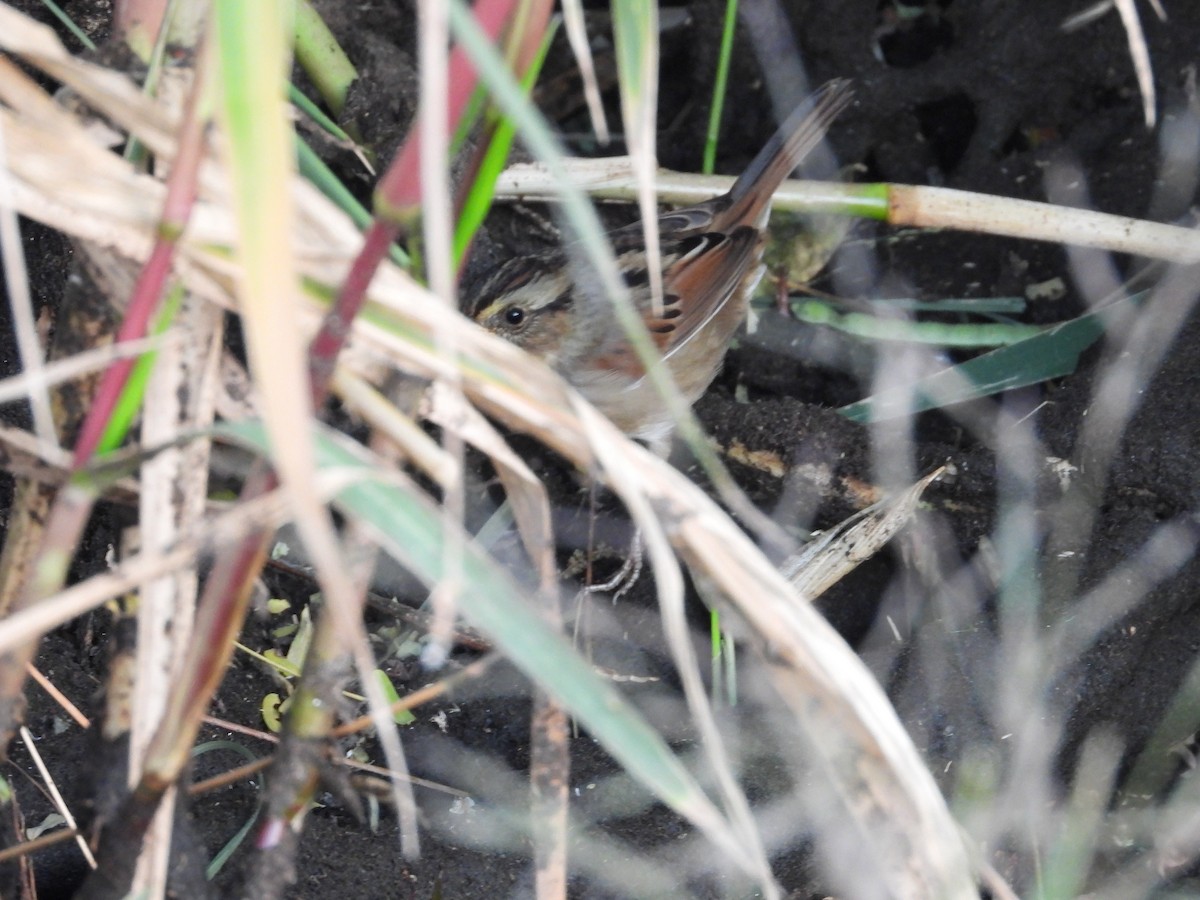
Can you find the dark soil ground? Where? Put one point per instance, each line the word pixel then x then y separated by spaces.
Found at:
pixel 982 97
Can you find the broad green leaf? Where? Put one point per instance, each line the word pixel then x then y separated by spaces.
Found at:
pixel 410 527
pixel 1052 353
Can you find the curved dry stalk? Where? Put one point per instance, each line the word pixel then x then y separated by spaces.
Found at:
pixel 1140 54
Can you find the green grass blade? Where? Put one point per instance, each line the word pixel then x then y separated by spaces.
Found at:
pixel 541 142
pixel 69 24
pixel 720 87
pixel 410 527
pixel 1052 353
pixel 635 34
pixel 314 169
pixel 1002 306
pixel 134 392
pixel 944 334
pixel 314 112
pixel 483 189
pixel 322 59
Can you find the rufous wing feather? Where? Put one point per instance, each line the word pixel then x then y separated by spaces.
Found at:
pixel 702 284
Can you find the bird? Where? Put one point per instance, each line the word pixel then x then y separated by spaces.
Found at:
pixel 711 258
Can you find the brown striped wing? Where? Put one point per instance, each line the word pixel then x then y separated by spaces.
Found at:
pixel 699 284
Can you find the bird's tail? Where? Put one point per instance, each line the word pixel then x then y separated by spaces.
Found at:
pixel 794 140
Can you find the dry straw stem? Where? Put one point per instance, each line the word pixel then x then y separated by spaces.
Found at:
pixel 572 11
pixel 252 59
pixel 1140 54
pixel 180 400
pixel 525 491
pixel 611 178
pixel 139 570
pixel 72 367
pixel 22 454
pixel 834 554
pixel 887 788
pixel 56 796
pixel 16 283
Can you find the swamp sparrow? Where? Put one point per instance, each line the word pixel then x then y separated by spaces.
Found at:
pixel 711 263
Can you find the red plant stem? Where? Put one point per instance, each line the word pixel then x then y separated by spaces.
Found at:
pixel 219 617
pixel 138 16
pixel 397 204
pixel 524 40
pixel 151 282
pixel 399 191
pixel 223 604
pixel 146 294
pixel 533 31
pixel 335 329
pixel 71 508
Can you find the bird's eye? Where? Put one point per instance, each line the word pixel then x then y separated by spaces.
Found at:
pixel 514 316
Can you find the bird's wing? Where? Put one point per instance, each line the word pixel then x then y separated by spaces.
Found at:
pixel 700 283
